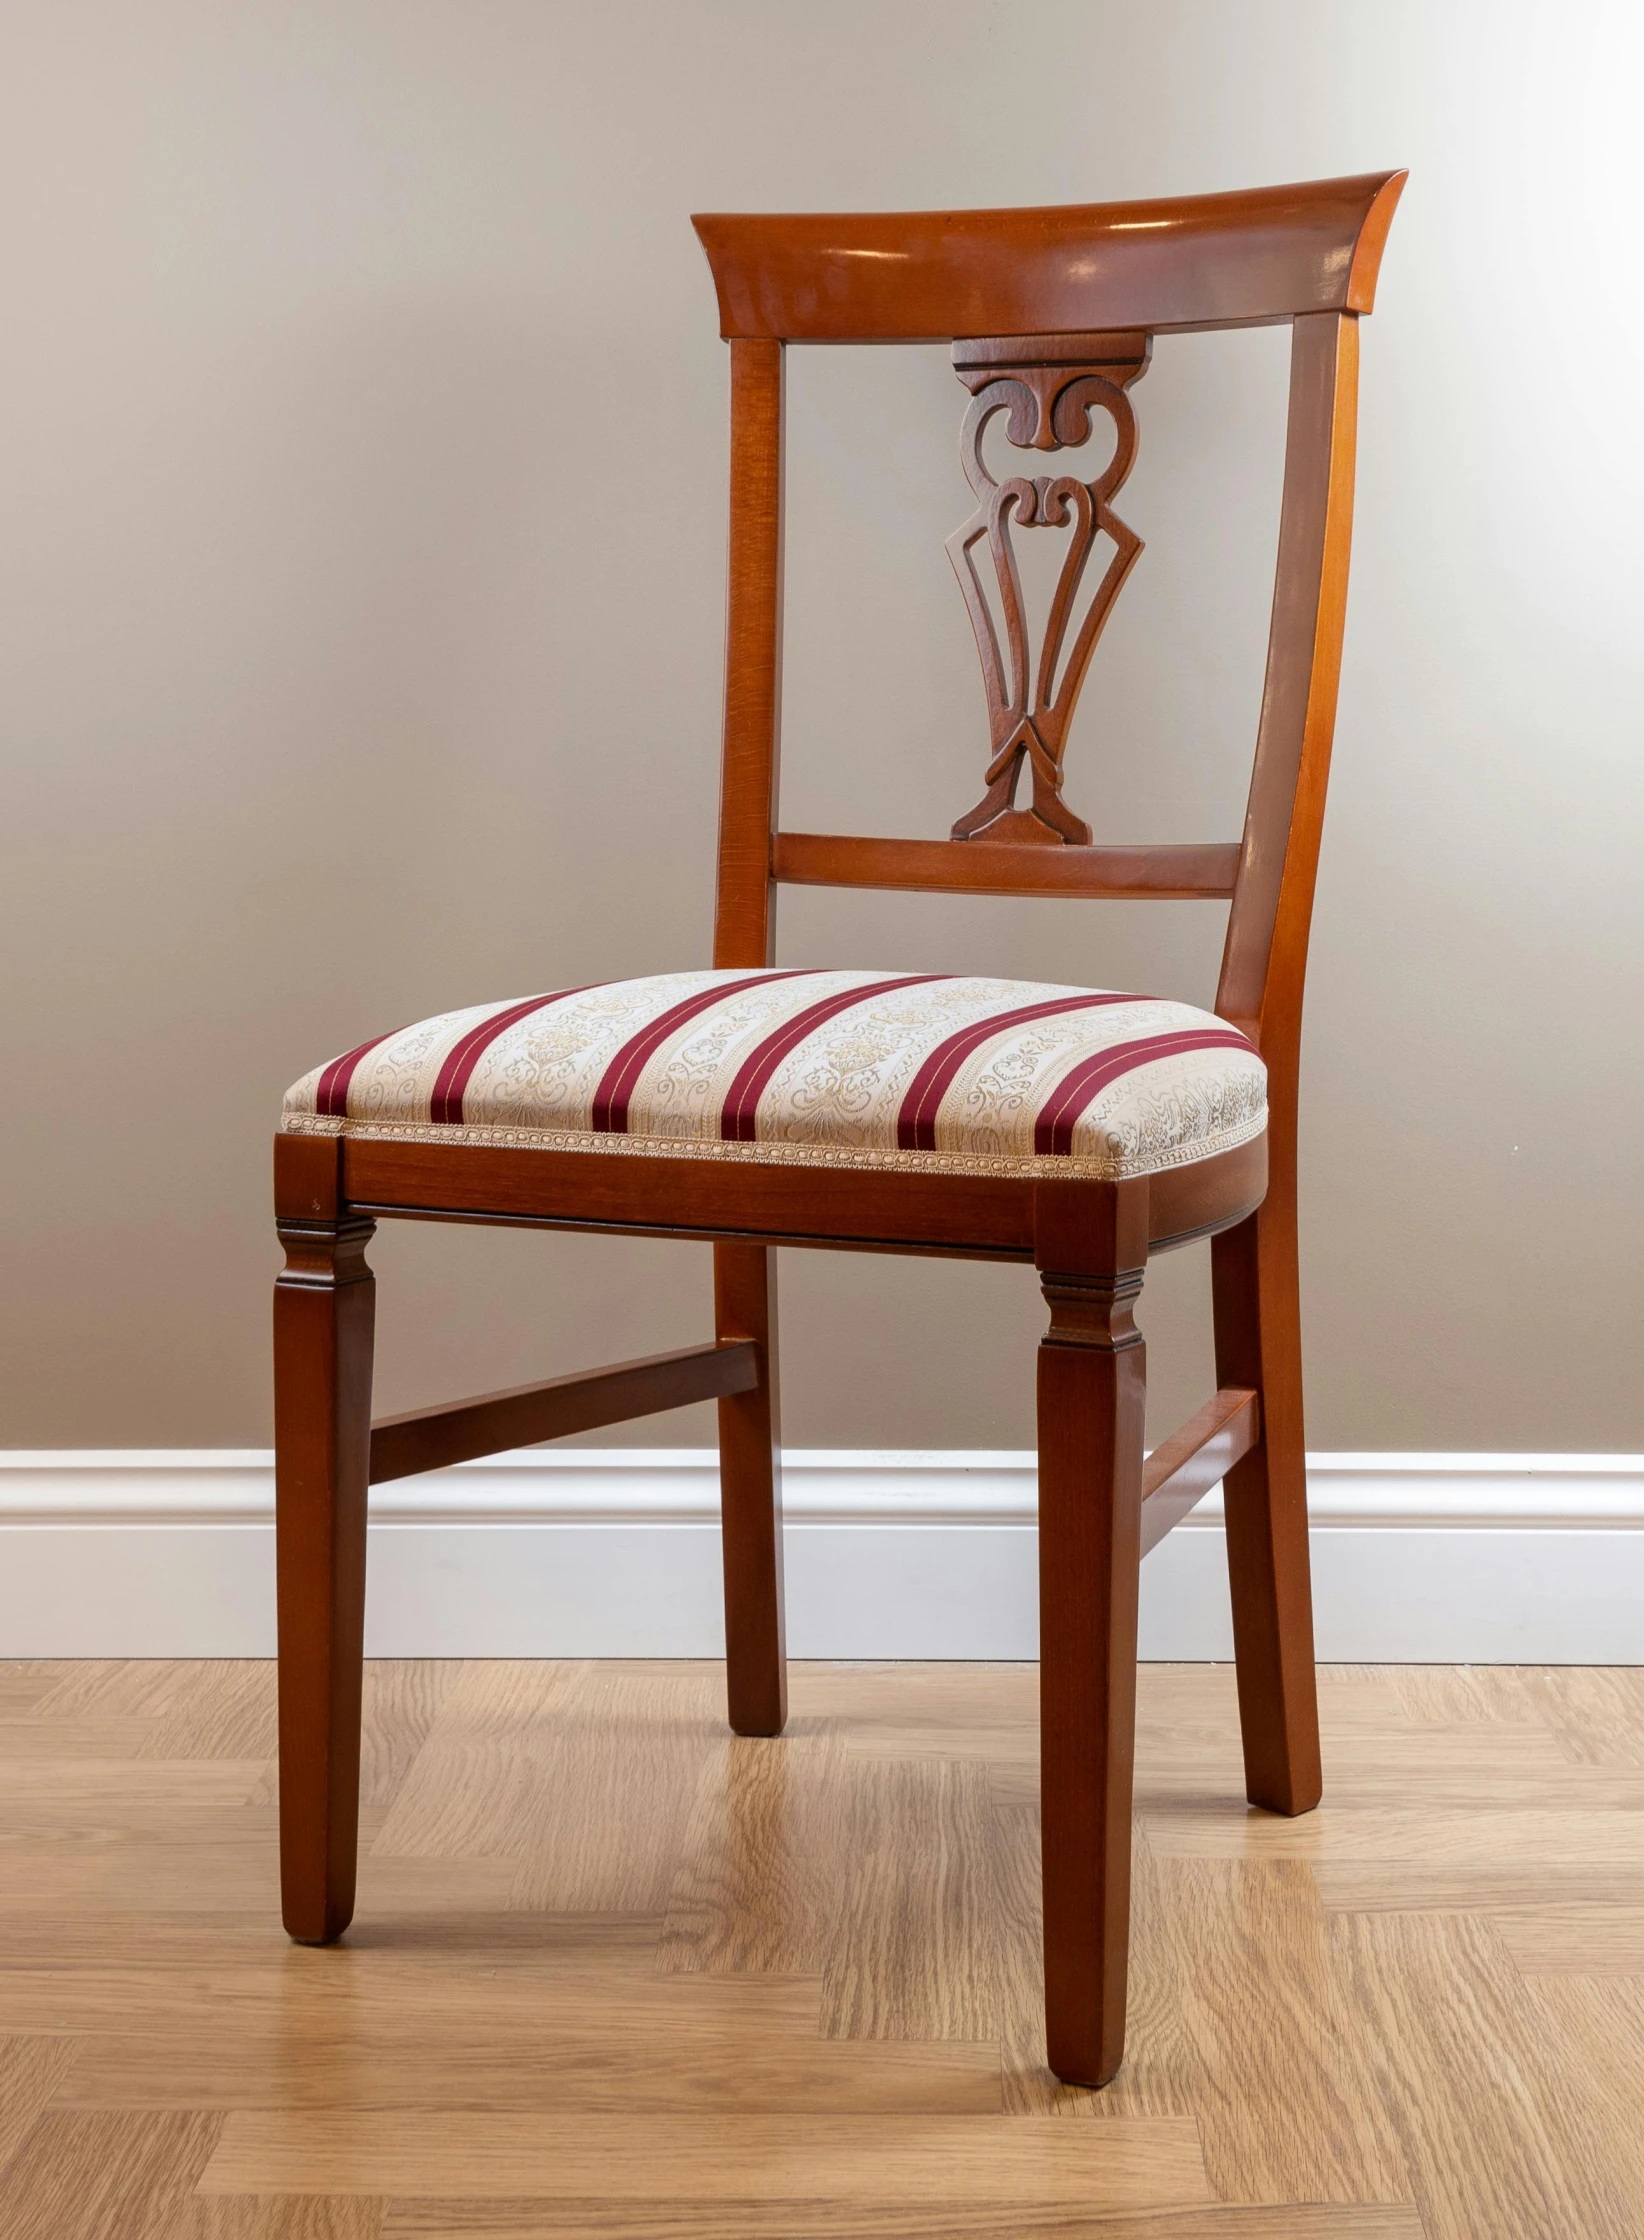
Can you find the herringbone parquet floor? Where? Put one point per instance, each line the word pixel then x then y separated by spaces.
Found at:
pixel 617 1974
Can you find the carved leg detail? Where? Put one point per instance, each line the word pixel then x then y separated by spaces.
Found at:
pixel 751 1498
pixel 1092 1391
pixel 324 1307
pixel 1258 1343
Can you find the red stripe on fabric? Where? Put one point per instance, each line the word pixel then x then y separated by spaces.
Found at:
pixel 331 1097
pixel 736 1121
pixel 1053 1130
pixel 610 1117
pixel 445 1104
pixel 916 1122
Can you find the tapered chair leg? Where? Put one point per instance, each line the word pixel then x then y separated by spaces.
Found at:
pixel 1258 1344
pixel 1092 1393
pixel 750 1481
pixel 324 1306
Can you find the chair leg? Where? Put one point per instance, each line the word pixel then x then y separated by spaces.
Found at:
pixel 750 1480
pixel 324 1308
pixel 1092 1391
pixel 1258 1344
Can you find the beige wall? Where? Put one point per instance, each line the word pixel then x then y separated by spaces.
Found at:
pixel 363 457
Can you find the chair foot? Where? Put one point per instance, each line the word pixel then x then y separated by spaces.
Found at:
pixel 324 1305
pixel 756 1670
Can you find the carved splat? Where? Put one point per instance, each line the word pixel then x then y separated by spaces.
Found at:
pixel 1048 384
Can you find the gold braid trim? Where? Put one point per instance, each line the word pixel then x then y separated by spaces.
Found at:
pixel 1027 1167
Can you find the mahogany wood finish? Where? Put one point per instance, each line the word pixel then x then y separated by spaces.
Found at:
pixel 1092 1250
pixel 1194 872
pixel 972 1217
pixel 1208 260
pixel 1254 1271
pixel 1051 313
pixel 744 922
pixel 324 1315
pixel 1193 1461
pixel 1049 387
pixel 750 1493
pixel 527 1414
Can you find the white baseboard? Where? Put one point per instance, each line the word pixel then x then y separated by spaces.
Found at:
pixel 1446 1558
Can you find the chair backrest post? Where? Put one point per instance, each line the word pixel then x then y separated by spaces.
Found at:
pixel 744 917
pixel 1264 959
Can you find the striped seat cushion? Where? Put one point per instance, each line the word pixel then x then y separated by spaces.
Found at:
pixel 844 1068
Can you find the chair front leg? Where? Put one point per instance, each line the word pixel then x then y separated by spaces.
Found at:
pixel 324 1312
pixel 750 1493
pixel 1092 1396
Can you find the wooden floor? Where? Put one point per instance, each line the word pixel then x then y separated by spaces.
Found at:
pixel 617 1974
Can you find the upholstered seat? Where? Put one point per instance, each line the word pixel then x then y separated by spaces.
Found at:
pixel 844 1068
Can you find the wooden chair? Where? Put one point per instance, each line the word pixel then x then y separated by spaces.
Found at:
pixel 485 1116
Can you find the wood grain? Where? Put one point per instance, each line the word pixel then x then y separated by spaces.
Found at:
pixel 1091 1404
pixel 1189 872
pixel 1182 1469
pixel 282 2217
pixel 758 1884
pixel 978 1217
pixel 499 1761
pixel 1576 1940
pixel 32 2071
pixel 1046 390
pixel 750 1494
pixel 830 2220
pixel 527 1414
pixel 24 1686
pixel 1282 2080
pixel 825 2018
pixel 620 2041
pixel 224 1707
pixel 1592 2027
pixel 1528 2152
pixel 1597 1716
pixel 1017 2162
pixel 744 922
pixel 1492 1695
pixel 914 1899
pixel 1160 2070
pixel 105 2177
pixel 324 1321
pixel 108 1687
pixel 108 1739
pixel 934 275
pixel 1588 1837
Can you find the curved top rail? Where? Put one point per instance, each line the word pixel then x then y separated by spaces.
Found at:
pixel 1209 260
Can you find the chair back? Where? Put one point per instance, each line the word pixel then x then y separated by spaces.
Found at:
pixel 1051 314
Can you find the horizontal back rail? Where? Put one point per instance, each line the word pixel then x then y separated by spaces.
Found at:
pixel 1214 260
pixel 1194 872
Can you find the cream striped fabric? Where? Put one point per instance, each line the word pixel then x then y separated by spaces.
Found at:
pixel 849 1068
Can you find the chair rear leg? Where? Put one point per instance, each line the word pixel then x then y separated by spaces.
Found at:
pixel 1258 1344
pixel 324 1310
pixel 1092 1393
pixel 750 1480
